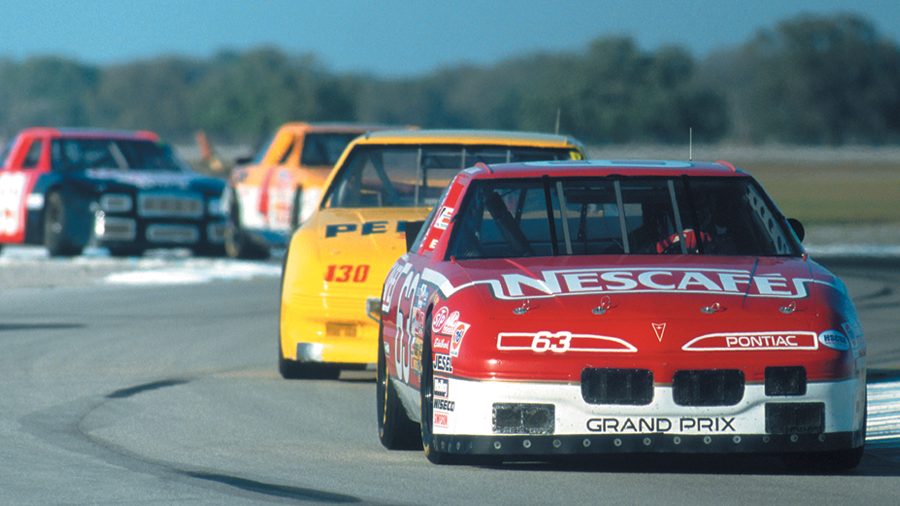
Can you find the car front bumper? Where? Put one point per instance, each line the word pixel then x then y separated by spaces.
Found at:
pixel 466 420
pixel 129 231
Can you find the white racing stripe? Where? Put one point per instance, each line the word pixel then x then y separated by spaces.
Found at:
pixel 883 421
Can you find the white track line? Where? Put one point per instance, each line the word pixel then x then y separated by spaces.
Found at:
pixel 883 420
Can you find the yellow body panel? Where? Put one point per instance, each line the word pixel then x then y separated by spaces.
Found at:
pixel 341 256
pixel 333 313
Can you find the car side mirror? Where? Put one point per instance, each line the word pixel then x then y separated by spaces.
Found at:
pixel 412 231
pixel 798 228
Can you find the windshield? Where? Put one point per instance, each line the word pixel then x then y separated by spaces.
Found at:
pixel 607 216
pixel 324 149
pixel 415 176
pixel 119 154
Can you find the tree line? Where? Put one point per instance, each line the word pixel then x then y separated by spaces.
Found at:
pixel 809 80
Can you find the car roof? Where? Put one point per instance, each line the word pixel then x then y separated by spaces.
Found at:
pixel 599 168
pixel 472 137
pixel 91 133
pixel 335 127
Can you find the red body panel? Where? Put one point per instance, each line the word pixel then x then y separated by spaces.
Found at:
pixel 676 312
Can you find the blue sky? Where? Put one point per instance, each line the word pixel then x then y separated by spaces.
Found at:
pixel 393 37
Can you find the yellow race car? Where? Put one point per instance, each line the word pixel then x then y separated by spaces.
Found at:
pixel 383 186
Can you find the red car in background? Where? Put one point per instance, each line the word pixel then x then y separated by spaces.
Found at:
pixel 66 188
pixel 617 306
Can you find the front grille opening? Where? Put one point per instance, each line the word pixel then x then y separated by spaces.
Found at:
pixel 708 387
pixel 518 418
pixel 617 386
pixel 795 417
pixel 786 380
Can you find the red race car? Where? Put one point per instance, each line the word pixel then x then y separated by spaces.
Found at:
pixel 617 306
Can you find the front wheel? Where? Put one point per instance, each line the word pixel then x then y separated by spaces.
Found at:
pixel 209 251
pixel 238 244
pixel 125 251
pixel 292 369
pixel 62 226
pixel 833 461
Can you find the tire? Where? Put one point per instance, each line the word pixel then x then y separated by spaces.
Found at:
pixel 209 251
pixel 126 251
pixel 395 430
pixel 426 393
pixel 237 243
pixel 62 227
pixel 292 369
pixel 833 461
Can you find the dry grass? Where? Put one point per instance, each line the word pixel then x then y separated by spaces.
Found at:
pixel 844 192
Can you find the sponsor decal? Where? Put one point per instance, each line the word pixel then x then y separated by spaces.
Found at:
pixel 422 296
pixel 450 323
pixel 659 329
pixel 834 340
pixel 659 425
pixel 443 362
pixel 365 228
pixel 441 387
pixel 444 404
pixel 440 419
pixel 754 341
pixel 419 317
pixel 458 334
pixel 561 342
pixel 853 331
pixel 440 316
pixel 441 343
pixel 561 282
pixel 443 218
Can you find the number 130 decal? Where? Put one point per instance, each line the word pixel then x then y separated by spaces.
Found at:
pixel 347 273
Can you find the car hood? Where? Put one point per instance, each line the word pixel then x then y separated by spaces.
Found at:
pixel 658 305
pixel 139 180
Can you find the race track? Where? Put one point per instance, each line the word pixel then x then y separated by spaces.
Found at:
pixel 116 391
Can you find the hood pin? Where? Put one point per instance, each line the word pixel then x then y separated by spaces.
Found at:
pixel 605 305
pixel 526 305
pixel 712 308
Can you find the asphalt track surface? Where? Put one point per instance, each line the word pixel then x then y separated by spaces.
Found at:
pixel 119 394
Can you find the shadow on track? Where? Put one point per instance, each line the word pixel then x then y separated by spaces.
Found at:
pixel 272 490
pixel 9 327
